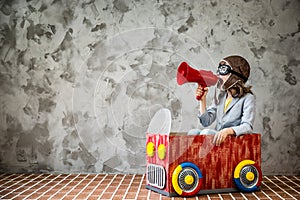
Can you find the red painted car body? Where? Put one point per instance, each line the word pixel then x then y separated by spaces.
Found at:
pixel 219 168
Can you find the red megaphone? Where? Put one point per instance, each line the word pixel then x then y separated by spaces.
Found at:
pixel 186 74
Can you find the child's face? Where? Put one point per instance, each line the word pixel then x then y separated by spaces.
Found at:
pixel 223 78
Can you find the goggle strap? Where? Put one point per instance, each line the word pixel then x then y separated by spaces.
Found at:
pixel 239 75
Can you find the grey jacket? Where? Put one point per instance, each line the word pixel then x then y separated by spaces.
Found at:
pixel 239 114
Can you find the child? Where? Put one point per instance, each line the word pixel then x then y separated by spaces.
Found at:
pixel 233 106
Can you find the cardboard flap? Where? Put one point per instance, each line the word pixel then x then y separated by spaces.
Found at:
pixel 160 122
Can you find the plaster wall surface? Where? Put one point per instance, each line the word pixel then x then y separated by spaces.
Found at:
pixel 81 80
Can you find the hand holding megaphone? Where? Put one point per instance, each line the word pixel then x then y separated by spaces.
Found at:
pixel 186 74
pixel 201 92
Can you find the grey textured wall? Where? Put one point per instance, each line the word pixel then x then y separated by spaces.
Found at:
pixel 80 80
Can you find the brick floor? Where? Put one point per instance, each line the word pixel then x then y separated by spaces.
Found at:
pixel 123 186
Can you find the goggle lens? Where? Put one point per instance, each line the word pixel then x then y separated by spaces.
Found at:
pixel 223 69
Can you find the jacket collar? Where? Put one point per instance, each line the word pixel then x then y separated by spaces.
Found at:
pixel 232 103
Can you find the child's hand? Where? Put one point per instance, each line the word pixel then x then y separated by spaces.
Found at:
pixel 199 92
pixel 222 135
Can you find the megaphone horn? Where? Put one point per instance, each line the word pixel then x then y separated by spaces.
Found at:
pixel 186 74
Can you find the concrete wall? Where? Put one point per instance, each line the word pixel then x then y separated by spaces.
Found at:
pixel 80 80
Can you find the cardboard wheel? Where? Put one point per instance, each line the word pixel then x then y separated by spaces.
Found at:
pixel 247 176
pixel 187 179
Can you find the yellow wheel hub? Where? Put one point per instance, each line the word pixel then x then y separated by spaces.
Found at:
pixel 150 149
pixel 250 176
pixel 161 151
pixel 189 179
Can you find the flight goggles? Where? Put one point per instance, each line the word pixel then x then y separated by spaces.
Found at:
pixel 224 69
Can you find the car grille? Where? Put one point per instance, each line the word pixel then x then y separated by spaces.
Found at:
pixel 156 176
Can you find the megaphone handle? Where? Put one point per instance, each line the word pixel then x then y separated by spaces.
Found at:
pixel 199 97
